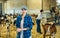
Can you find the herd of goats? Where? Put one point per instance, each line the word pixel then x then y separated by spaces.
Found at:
pixel 11 19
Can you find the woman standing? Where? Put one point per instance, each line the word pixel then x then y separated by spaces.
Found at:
pixel 24 25
pixel 38 20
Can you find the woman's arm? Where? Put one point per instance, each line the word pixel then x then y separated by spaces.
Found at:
pixel 18 24
pixel 30 24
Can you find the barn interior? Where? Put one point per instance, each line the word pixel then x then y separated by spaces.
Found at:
pixel 9 8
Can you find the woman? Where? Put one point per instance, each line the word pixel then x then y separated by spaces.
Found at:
pixel 24 25
pixel 38 20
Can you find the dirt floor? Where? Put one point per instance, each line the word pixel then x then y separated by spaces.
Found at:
pixel 37 35
pixel 11 33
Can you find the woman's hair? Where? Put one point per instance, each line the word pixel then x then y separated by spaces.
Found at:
pixel 41 10
pixel 53 9
pixel 23 9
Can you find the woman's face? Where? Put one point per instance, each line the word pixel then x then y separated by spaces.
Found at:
pixel 23 11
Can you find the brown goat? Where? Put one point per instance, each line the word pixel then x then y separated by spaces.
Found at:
pixel 52 30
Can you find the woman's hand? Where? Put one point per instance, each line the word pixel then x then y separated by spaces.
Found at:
pixel 19 30
pixel 25 28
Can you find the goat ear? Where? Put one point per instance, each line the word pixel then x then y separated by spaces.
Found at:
pixel 2 17
pixel 55 24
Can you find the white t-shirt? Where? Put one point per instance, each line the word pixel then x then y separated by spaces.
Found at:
pixel 22 22
pixel 39 16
